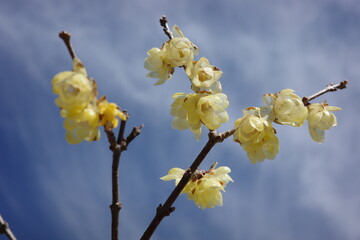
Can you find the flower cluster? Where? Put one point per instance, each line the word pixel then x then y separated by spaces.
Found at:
pixel 83 112
pixel 176 52
pixel 207 106
pixel 205 187
pixel 256 134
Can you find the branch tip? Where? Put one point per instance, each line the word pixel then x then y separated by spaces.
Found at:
pixel 166 29
pixel 65 36
pixel 329 88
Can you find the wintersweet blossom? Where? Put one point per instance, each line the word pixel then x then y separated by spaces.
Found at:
pixel 74 88
pixel 202 74
pixel 183 109
pixel 158 67
pixel 256 135
pixel 320 119
pixel 82 125
pixel 179 51
pixel 192 110
pixel 205 187
pixel 267 148
pixel 285 108
pixel 109 113
pixel 211 109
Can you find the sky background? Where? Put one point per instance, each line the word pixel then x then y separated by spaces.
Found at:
pixel 50 189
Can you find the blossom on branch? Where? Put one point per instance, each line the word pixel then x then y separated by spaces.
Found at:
pixel 320 119
pixel 179 51
pixel 156 64
pixel 202 74
pixel 192 110
pixel 83 113
pixel 256 135
pixel 82 125
pixel 109 113
pixel 205 187
pixel 176 52
pixel 74 88
pixel 285 108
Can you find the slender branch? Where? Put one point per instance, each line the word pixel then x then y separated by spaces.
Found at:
pixel 117 146
pixel 329 88
pixel 164 210
pixel 166 29
pixel 5 229
pixel 122 129
pixel 65 36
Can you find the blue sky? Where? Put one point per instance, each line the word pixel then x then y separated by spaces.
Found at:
pixel 52 190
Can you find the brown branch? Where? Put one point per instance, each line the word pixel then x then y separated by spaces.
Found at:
pixel 166 29
pixel 329 88
pixel 5 229
pixel 117 146
pixel 65 36
pixel 164 210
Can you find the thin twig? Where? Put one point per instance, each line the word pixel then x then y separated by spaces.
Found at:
pixel 65 36
pixel 330 88
pixel 164 210
pixel 166 29
pixel 117 146
pixel 5 229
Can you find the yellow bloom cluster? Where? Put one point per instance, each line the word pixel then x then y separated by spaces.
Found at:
pixel 208 104
pixel 83 113
pixel 288 108
pixel 176 52
pixel 320 119
pixel 256 135
pixel 205 187
pixel 192 110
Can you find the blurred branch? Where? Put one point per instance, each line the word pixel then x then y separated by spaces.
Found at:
pixel 164 210
pixel 166 29
pixel 117 146
pixel 5 229
pixel 65 36
pixel 329 88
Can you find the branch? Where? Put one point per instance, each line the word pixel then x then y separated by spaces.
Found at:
pixel 164 210
pixel 5 229
pixel 117 146
pixel 166 29
pixel 329 88
pixel 65 36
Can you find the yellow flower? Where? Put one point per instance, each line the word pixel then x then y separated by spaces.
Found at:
pixel 211 109
pixel 251 127
pixel 320 119
pixel 202 74
pixel 205 186
pixel 185 115
pixel 256 135
pixel 74 88
pixel 179 51
pixel 267 148
pixel 109 113
pixel 82 125
pixel 285 108
pixel 157 66
pixel 192 110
